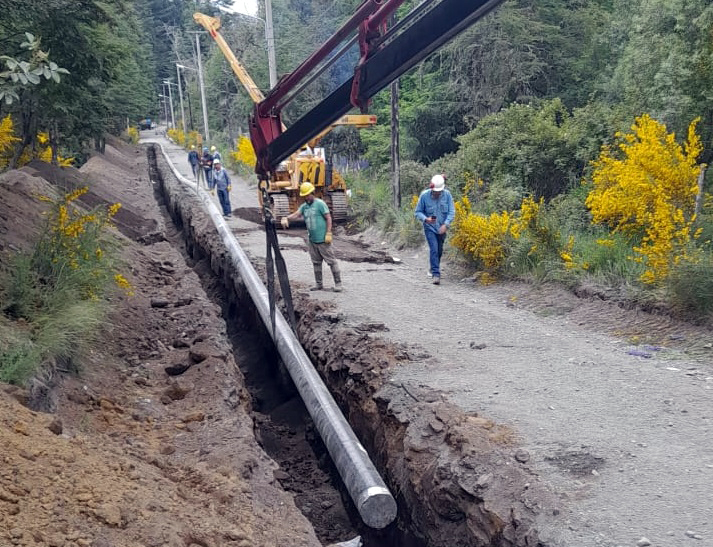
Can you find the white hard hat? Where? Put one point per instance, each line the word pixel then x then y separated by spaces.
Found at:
pixel 215 162
pixel 438 183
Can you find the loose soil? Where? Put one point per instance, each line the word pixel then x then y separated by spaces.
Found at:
pixel 151 443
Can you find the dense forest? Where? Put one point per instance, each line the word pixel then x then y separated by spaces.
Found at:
pixel 524 112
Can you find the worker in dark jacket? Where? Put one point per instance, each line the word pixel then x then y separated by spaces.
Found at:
pixel 195 161
pixel 221 180
pixel 207 165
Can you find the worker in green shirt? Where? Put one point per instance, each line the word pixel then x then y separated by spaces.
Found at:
pixel 319 227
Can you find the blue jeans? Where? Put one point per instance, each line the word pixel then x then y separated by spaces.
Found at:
pixel 435 245
pixel 224 199
pixel 209 177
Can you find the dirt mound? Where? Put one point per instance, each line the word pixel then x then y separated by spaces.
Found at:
pixel 20 209
pixel 152 442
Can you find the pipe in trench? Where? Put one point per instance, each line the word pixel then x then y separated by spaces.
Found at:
pixel 372 498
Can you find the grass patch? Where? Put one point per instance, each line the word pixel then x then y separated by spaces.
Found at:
pixel 371 204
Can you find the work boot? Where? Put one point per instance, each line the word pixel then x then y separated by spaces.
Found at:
pixel 436 280
pixel 317 279
pixel 337 278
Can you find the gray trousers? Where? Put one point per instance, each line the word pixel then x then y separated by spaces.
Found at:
pixel 319 252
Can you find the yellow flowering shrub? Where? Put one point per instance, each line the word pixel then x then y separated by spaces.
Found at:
pixel 244 152
pixel 57 289
pixel 73 245
pixel 133 135
pixel 483 238
pixel 7 140
pixel 193 138
pixel 42 150
pixel 646 188
pixel 177 136
pixel 489 239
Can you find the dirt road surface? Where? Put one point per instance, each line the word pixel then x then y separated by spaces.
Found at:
pixel 612 409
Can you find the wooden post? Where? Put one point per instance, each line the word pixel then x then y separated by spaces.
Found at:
pixel 699 196
pixel 395 157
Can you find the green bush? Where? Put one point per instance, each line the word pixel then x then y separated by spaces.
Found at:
pixel 52 298
pixel 690 287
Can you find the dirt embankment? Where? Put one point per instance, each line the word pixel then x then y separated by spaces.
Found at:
pixel 152 443
pixel 459 479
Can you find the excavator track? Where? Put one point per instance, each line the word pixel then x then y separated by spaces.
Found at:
pixel 280 205
pixel 337 203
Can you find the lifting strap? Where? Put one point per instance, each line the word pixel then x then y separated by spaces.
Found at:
pixel 274 260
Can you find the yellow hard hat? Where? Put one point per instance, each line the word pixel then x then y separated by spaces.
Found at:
pixel 306 188
pixel 212 148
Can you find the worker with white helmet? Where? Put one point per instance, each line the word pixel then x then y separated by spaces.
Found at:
pixel 435 209
pixel 319 228
pixel 216 155
pixel 221 181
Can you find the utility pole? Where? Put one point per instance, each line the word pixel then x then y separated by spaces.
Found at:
pixel 180 96
pixel 170 99
pixel 270 38
pixel 395 156
pixel 200 81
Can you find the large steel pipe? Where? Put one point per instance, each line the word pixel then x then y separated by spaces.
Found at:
pixel 372 498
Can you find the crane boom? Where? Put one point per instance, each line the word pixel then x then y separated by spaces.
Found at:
pixel 212 25
pixel 382 62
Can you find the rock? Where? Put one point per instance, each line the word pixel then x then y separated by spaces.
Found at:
pixel 8 497
pixel 27 455
pixel 175 392
pixel 473 345
pixel 55 426
pixel 109 514
pixel 167 449
pixel 177 369
pixel 643 542
pixel 691 534
pixel 197 355
pixel 235 535
pixel 21 428
pixel 523 456
pixel 159 303
pixel 178 344
pixel 193 417
pixel 280 475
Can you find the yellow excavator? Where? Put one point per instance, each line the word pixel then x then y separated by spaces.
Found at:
pixel 309 163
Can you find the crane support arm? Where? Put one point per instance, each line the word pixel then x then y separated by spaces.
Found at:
pixel 436 27
pixel 212 25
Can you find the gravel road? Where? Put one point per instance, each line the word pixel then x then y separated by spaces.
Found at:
pixel 619 430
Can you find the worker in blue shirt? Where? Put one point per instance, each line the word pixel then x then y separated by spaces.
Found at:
pixel 221 181
pixel 436 211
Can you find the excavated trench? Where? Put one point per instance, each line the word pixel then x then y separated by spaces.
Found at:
pixel 455 477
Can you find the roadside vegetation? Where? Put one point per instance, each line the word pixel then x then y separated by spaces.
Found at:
pixel 53 297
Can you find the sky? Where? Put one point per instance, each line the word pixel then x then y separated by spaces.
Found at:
pixel 245 6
